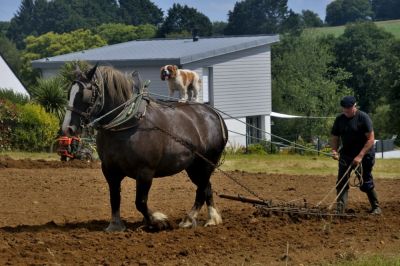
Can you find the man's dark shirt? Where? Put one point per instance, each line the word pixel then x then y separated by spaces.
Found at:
pixel 352 133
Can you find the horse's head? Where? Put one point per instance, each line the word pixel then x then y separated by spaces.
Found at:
pixel 86 99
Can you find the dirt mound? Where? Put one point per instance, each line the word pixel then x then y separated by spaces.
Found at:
pixel 8 162
pixel 51 216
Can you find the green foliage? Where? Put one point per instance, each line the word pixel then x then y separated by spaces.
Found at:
pixel 12 96
pixel 263 147
pixel 382 121
pixel 140 12
pixel 8 120
pixel 362 50
pixel 51 95
pixel 340 12
pixel 36 129
pixel 4 25
pixel 311 19
pixel 305 83
pixel 257 17
pixel 10 53
pixel 52 44
pixel 183 18
pixel 218 28
pixel 386 9
pixel 67 72
pixel 118 33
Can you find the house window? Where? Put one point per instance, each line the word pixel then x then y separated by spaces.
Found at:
pixel 253 129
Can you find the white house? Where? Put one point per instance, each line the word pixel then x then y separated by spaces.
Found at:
pixel 235 72
pixel 8 80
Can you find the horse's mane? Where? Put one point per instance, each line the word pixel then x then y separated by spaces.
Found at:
pixel 118 85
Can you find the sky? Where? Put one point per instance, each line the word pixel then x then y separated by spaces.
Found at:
pixel 216 10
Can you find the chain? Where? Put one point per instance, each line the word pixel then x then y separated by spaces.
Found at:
pixel 192 148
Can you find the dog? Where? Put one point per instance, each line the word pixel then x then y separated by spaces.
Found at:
pixel 183 80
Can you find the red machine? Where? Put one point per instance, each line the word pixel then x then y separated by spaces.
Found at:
pixel 68 147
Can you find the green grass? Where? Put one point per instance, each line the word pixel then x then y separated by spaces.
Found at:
pixel 301 165
pixel 392 26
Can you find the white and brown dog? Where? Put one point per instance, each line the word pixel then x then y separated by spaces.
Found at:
pixel 182 80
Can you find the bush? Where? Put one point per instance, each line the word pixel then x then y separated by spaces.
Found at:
pixel 8 119
pixel 37 129
pixel 263 147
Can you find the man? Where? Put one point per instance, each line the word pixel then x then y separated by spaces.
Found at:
pixel 353 128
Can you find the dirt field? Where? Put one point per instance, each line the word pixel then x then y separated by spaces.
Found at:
pixel 55 213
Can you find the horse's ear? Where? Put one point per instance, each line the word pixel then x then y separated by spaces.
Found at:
pixel 77 72
pixel 91 72
pixel 137 81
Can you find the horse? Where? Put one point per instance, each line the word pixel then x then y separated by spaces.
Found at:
pixel 159 140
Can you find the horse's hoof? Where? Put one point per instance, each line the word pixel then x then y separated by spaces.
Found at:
pixel 182 101
pixel 214 218
pixel 159 221
pixel 188 222
pixel 115 227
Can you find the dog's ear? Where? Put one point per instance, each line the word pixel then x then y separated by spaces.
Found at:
pixel 175 67
pixel 161 73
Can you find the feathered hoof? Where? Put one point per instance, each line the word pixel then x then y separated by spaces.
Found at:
pixel 188 222
pixel 159 222
pixel 115 227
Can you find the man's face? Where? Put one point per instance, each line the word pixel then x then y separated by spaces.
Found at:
pixel 349 111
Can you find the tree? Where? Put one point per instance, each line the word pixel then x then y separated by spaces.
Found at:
pixel 305 83
pixel 218 28
pixel 386 9
pixel 361 50
pixel 183 18
pixel 10 53
pixel 137 12
pixel 52 44
pixel 257 17
pixel 340 12
pixel 118 33
pixel 21 25
pixel 311 19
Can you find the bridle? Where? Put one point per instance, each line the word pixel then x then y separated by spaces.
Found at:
pixel 93 94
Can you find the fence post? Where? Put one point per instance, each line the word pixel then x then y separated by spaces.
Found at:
pixel 382 147
pixel 318 145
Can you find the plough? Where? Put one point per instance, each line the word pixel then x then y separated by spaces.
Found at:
pixel 268 207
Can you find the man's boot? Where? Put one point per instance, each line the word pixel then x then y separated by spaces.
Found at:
pixel 341 202
pixel 373 200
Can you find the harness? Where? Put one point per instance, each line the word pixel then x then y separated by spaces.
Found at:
pixel 93 94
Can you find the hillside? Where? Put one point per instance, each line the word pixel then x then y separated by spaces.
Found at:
pixel 392 26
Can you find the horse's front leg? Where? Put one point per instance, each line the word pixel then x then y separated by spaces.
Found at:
pixel 114 184
pixel 154 220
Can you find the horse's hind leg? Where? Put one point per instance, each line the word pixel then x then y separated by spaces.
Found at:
pixel 200 176
pixel 114 184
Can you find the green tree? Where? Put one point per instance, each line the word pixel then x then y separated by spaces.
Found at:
pixel 311 19
pixel 183 18
pixel 340 12
pixel 305 83
pixel 10 53
pixel 52 44
pixel 362 50
pixel 137 12
pixel 21 25
pixel 386 9
pixel 218 28
pixel 4 25
pixel 118 33
pixel 257 17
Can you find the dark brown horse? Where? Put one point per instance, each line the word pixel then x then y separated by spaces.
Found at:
pixel 158 140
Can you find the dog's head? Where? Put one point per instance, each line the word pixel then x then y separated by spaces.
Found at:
pixel 169 72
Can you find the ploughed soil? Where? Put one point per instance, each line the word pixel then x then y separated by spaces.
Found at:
pixel 55 212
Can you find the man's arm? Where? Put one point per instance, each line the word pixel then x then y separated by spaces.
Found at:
pixel 367 146
pixel 335 146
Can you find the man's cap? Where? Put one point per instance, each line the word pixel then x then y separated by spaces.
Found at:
pixel 348 101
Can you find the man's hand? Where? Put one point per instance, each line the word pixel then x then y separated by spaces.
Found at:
pixel 335 155
pixel 357 160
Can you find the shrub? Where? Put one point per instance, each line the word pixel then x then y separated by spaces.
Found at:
pixel 263 147
pixel 13 96
pixel 36 129
pixel 8 119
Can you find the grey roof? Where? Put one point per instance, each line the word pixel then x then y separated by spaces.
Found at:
pixel 153 52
